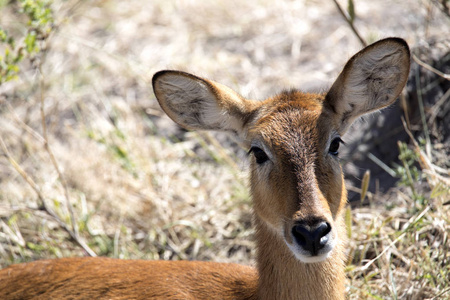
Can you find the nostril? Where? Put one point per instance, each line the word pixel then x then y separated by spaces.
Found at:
pixel 312 238
pixel 301 234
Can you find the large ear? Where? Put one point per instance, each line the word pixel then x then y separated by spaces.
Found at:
pixel 196 103
pixel 371 79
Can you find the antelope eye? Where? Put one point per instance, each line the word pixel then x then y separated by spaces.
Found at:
pixel 334 146
pixel 259 154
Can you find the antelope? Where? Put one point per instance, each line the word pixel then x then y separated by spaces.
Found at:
pixel 296 183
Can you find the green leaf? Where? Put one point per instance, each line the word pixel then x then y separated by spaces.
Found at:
pixel 35 247
pixel 348 221
pixel 365 185
pixel 3 35
pixel 351 10
pixel 3 3
pixel 12 220
pixel 13 68
pixel 30 42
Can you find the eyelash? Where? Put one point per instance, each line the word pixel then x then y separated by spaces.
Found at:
pixel 259 154
pixel 334 146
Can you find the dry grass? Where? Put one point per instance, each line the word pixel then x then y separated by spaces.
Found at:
pixel 141 188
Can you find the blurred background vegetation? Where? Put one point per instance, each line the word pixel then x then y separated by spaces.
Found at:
pixel 90 165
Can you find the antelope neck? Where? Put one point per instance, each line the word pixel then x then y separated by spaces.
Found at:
pixel 283 276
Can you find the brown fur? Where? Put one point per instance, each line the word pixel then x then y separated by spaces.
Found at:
pixel 301 182
pixel 106 278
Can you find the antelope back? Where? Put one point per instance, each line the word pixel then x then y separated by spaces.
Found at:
pixel 107 278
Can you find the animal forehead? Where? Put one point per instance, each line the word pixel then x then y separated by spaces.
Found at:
pixel 298 99
pixel 289 115
pixel 291 131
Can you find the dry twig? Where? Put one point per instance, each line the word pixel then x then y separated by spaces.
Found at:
pixel 350 23
pixel 430 68
pixel 42 200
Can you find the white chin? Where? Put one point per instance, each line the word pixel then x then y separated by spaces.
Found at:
pixel 312 259
pixel 305 257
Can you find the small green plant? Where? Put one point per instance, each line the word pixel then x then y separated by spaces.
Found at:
pixel 408 172
pixel 39 25
pixel 116 142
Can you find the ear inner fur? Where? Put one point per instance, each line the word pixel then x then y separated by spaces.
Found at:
pixel 371 80
pixel 197 103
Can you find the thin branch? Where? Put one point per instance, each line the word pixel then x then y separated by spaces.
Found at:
pixel 42 200
pixel 47 147
pixel 443 6
pixel 430 68
pixel 21 123
pixel 407 226
pixel 52 156
pixel 436 108
pixel 350 23
pixel 381 164
pixel 425 162
pixel 438 296
pixel 422 113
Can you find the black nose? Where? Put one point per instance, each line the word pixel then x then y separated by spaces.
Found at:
pixel 313 237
